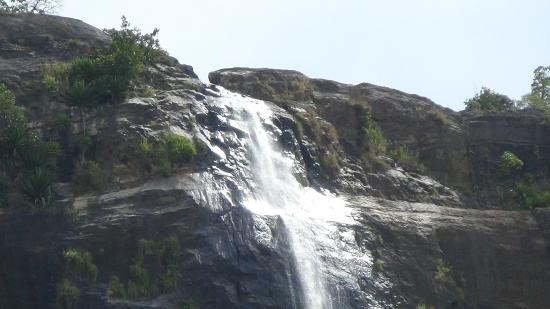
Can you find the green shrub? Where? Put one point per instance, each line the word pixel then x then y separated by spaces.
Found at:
pixel 443 272
pixel 488 100
pixel 12 123
pixel 105 75
pixel 37 187
pixel 370 134
pixel 62 121
pixel 89 176
pixel 405 158
pixel 329 161
pixel 378 265
pixel 179 148
pixel 55 77
pixel 168 152
pixel 26 161
pixel 438 117
pixel 153 270
pixel 80 264
pixel 67 294
pixel 116 288
pixel 531 196
pixel 509 163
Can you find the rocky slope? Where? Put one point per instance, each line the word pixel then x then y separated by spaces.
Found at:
pixel 417 223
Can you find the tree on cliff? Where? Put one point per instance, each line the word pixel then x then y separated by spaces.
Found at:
pixel 540 89
pixel 488 100
pixel 30 6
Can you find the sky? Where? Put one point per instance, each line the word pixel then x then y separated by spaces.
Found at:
pixel 444 50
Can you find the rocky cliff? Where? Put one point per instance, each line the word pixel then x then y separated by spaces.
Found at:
pixel 415 238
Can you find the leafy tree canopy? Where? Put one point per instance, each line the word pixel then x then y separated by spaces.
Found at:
pixel 488 100
pixel 30 6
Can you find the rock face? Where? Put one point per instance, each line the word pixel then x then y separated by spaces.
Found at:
pixel 417 224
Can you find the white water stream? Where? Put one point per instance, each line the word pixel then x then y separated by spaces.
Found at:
pixel 327 258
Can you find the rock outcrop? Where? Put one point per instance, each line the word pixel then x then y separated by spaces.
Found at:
pixel 428 244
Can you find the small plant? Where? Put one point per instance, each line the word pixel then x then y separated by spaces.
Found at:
pixel 54 76
pixel 330 161
pixel 27 162
pixel 80 264
pixel 167 153
pixel 62 121
pixel 509 163
pixel 149 92
pixel 531 196
pixel 89 176
pixel 153 270
pixel 405 158
pixel 443 271
pixel 370 134
pixel 424 306
pixel 179 148
pixel 67 294
pixel 438 117
pixel 378 265
pixel 116 288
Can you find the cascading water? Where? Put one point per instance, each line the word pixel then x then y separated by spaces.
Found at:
pixel 259 176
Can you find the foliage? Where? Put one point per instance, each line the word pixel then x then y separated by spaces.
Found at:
pixel 540 89
pixel 405 158
pixel 531 196
pixel 488 100
pixel 55 77
pixel 171 150
pixel 116 288
pixel 509 163
pixel 27 164
pixel 178 148
pixel 370 133
pixel 30 6
pixel 36 185
pixel 89 176
pixel 67 294
pixel 438 117
pixel 153 270
pixel 424 306
pixel 330 161
pixel 443 271
pixel 105 75
pixel 378 265
pixel 80 264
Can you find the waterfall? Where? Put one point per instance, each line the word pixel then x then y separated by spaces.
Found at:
pixel 304 210
pixel 329 263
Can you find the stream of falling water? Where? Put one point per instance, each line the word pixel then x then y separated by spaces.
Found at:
pixel 307 213
pixel 331 267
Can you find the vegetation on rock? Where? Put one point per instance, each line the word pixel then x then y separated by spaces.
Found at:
pixel 105 75
pixel 540 89
pixel 532 196
pixel 167 153
pixel 30 6
pixel 89 176
pixel 68 294
pixel 28 164
pixel 509 163
pixel 488 100
pixel 153 270
pixel 80 264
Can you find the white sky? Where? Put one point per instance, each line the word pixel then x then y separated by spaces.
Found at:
pixel 442 49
